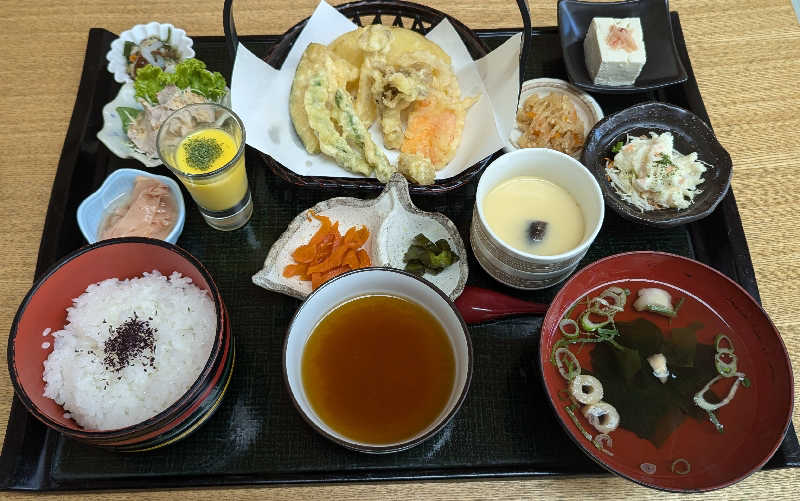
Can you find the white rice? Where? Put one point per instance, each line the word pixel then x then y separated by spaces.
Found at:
pixel 100 396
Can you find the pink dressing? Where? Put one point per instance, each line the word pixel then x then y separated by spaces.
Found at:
pixel 621 38
pixel 149 211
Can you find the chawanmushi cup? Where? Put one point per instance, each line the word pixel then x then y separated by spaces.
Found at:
pixel 521 269
pixel 45 307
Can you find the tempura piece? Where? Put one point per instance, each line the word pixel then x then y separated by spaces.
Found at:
pixel 434 129
pixel 416 168
pixel 317 59
pixel 330 140
pixel 357 134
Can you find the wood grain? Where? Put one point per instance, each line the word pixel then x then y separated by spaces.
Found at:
pixel 744 55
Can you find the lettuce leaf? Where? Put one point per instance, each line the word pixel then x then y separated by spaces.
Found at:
pixel 148 82
pixel 191 73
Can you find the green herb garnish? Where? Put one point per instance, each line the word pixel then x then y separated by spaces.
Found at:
pixel 128 116
pixel 127 49
pixel 617 147
pixel 664 161
pixel 201 152
pixel 425 256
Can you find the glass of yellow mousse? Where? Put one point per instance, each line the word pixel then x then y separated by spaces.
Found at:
pixel 203 144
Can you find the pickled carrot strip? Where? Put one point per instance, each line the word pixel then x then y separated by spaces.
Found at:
pixel 295 269
pixel 305 253
pixel 334 260
pixel 328 253
pixel 351 259
pixel 332 273
pixel 356 238
pixel 363 259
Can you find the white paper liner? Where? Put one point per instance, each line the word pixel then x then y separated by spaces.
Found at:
pixel 260 96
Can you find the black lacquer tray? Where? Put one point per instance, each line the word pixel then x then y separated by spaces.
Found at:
pixel 505 428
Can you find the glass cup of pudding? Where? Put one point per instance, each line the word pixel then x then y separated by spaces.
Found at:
pixel 203 145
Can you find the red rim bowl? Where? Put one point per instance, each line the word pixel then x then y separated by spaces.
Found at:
pixel 45 307
pixel 751 437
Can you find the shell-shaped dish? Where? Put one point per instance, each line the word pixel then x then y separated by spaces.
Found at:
pixel 589 112
pixel 176 37
pixel 112 134
pixel 120 183
pixel 393 221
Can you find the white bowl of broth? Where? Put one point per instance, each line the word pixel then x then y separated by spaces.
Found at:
pixel 377 360
pixel 536 213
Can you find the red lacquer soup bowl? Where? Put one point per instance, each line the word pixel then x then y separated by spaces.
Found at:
pixel 664 439
pixel 45 307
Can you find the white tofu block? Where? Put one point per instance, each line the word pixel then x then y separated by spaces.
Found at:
pixel 614 50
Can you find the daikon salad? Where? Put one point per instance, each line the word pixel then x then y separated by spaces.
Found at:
pixel 650 174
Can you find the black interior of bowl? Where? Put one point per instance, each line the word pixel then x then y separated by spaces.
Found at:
pixel 690 134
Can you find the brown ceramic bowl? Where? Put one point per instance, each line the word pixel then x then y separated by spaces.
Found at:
pixel 691 133
pixel 45 307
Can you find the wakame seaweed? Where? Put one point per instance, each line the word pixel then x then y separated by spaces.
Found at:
pixel 647 407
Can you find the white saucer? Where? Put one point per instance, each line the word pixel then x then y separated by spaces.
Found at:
pixel 587 108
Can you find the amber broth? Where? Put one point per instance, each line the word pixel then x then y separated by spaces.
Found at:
pixel 378 369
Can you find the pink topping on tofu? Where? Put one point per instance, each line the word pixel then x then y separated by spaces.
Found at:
pixel 621 38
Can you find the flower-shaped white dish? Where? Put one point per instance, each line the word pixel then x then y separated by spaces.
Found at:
pixel 169 34
pixel 112 134
pixel 118 184
pixel 589 112
pixel 392 220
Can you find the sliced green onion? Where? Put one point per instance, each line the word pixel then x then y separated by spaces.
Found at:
pixel 679 304
pixel 573 366
pixel 563 395
pixel 718 339
pixel 745 382
pixel 602 307
pixel 700 399
pixel 604 443
pixel 588 325
pixel 609 335
pixel 715 421
pixel 725 369
pixel 619 295
pixel 568 321
pixel 661 310
pixel 571 411
pixel 680 461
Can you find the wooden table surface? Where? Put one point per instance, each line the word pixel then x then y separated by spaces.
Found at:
pixel 746 57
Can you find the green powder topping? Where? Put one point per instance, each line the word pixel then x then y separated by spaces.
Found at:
pixel 202 152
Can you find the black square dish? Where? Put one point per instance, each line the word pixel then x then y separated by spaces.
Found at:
pixel 663 66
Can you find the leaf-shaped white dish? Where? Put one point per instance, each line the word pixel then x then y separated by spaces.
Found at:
pixel 112 134
pixel 114 137
pixel 393 221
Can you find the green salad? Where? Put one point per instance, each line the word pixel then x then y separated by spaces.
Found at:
pixel 191 73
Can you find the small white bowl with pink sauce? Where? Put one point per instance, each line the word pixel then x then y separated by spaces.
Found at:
pixel 94 208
